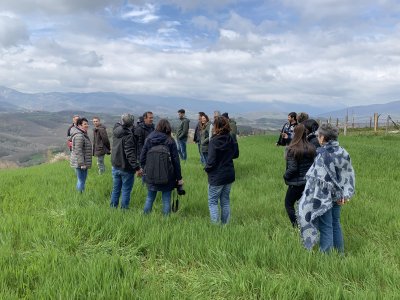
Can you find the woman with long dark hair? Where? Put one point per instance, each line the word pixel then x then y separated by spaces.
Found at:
pixel 163 150
pixel 204 136
pixel 222 149
pixel 311 131
pixel 299 158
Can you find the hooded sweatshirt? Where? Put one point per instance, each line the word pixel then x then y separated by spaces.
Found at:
pixel 123 155
pixel 221 151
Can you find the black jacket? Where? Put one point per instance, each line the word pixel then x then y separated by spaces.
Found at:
pixel 160 138
pixel 124 152
pixel 221 151
pixel 142 131
pixel 296 170
pixel 312 138
pixel 196 136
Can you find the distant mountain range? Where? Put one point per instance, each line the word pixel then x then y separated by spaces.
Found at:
pixel 116 103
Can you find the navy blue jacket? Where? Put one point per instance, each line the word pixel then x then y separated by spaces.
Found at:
pixel 160 138
pixel 222 149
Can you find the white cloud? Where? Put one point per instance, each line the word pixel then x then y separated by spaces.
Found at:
pixel 204 22
pixel 56 7
pixel 247 60
pixel 195 4
pixel 13 31
pixel 141 14
pixel 229 34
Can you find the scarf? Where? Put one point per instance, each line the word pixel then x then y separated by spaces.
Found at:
pixel 329 179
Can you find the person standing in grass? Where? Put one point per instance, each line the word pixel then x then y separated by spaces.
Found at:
pixel 197 137
pixel 330 184
pixel 232 124
pixel 143 129
pixel 311 130
pixel 182 134
pixel 299 158
pixel 73 125
pixel 217 113
pixel 160 160
pixel 204 136
pixel 301 117
pixel 222 149
pixel 81 153
pixel 124 161
pixel 286 134
pixel 101 143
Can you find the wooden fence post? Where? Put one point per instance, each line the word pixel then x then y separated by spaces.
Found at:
pixel 376 117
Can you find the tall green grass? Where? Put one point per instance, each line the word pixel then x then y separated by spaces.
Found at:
pixel 56 243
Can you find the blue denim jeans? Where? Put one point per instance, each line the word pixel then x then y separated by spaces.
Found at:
pixel 181 145
pixel 330 230
pixel 202 160
pixel 221 193
pixel 81 175
pixel 100 164
pixel 122 182
pixel 205 156
pixel 166 200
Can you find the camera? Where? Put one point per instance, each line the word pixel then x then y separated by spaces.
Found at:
pixel 180 190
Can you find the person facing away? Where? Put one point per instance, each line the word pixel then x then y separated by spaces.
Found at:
pixel 222 149
pixel 182 134
pixel 160 162
pixel 217 113
pixel 204 136
pixel 101 143
pixel 81 152
pixel 330 184
pixel 197 137
pixel 124 161
pixel 286 134
pixel 69 140
pixel 311 130
pixel 232 124
pixel 299 158
pixel 301 117
pixel 143 129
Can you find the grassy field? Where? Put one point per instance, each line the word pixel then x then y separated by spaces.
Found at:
pixel 55 243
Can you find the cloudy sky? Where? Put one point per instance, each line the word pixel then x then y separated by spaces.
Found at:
pixel 315 51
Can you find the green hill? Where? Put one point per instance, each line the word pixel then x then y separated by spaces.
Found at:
pixel 55 243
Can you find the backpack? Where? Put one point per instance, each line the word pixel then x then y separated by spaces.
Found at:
pixel 159 168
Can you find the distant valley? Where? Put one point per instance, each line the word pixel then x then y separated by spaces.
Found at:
pixel 32 126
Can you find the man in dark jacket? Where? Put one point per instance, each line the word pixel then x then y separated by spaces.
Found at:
pixel 101 143
pixel 197 137
pixel 182 134
pixel 286 135
pixel 142 130
pixel 124 161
